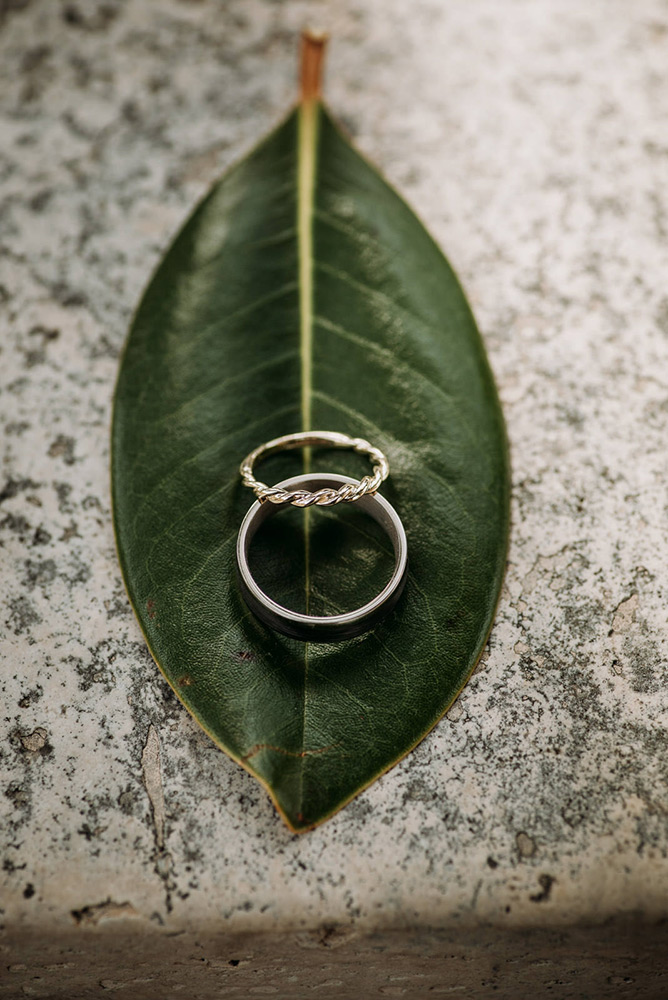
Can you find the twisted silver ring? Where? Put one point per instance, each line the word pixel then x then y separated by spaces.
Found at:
pixel 326 628
pixel 349 492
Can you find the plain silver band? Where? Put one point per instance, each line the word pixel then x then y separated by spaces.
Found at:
pixel 330 628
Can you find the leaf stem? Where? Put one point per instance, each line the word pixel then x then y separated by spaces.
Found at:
pixel 313 47
pixel 312 58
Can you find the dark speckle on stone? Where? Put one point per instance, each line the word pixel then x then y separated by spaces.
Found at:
pixel 18 795
pixel 8 7
pixel 39 572
pixel 545 882
pixel 46 333
pixel 35 357
pixel 34 57
pixel 41 536
pixel 67 296
pixel 15 486
pixel 91 16
pixel 131 113
pixel 11 866
pixel 63 491
pixel 126 801
pixel 70 532
pixel 17 524
pixel 647 664
pixel 29 891
pixel 96 668
pixel 117 606
pixel 16 428
pixel 31 697
pixel 39 201
pixel 63 447
pixel 22 615
pixel 575 810
pixel 88 834
pixel 419 791
pixel 72 15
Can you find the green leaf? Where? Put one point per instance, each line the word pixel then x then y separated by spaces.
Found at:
pixel 303 293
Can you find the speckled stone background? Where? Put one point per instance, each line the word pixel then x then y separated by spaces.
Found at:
pixel 516 849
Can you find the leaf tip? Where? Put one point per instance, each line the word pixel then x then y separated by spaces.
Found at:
pixel 314 44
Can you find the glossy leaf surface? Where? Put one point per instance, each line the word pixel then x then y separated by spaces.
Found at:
pixel 304 293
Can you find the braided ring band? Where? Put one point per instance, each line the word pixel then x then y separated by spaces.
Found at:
pixel 325 497
pixel 326 628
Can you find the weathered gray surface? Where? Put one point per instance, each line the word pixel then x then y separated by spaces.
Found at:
pixel 531 136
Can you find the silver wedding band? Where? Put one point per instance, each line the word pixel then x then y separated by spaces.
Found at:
pixel 328 628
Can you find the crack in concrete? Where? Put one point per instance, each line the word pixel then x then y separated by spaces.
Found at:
pixel 152 775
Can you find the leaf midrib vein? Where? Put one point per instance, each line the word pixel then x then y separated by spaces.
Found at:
pixel 307 135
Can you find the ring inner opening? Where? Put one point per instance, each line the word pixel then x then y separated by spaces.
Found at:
pixel 345 561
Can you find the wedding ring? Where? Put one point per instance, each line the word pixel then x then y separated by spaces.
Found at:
pixel 328 628
pixel 349 492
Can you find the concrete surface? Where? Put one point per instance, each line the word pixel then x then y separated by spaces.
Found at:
pixel 520 850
